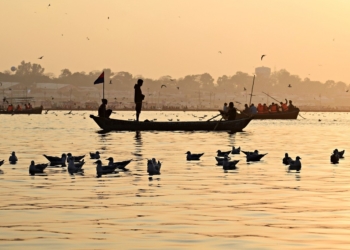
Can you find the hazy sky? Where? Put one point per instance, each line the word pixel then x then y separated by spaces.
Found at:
pixel 154 38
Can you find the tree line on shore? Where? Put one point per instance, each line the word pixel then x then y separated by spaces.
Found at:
pixel 279 82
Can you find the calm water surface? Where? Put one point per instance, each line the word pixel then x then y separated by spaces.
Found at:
pixel 191 204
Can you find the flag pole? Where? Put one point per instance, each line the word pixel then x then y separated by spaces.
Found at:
pixel 103 93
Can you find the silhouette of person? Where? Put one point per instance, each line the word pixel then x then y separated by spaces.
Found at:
pixel 231 113
pixel 102 111
pixel 138 98
pixel 291 107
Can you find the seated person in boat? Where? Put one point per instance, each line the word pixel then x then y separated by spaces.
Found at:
pixel 30 106
pixel 291 107
pixel 253 109
pixel 18 108
pixel 260 108
pixel 10 108
pixel 265 108
pixel 224 111
pixel 246 109
pixel 102 111
pixel 231 113
pixel 284 106
pixel 273 108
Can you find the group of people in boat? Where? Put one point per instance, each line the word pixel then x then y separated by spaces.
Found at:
pixel 229 112
pixel 11 108
pixel 273 108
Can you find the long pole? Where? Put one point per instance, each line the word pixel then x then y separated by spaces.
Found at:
pixel 251 93
pixel 279 101
pixel 103 93
pixel 271 97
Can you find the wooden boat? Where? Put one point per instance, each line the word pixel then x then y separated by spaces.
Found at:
pixel 291 115
pixel 108 124
pixel 33 111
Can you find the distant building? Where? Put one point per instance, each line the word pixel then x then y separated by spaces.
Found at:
pixel 262 72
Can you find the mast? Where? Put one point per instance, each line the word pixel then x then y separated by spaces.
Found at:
pixel 251 93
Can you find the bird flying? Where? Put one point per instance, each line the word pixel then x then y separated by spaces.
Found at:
pixel 245 89
pixel 289 86
pixel 110 81
pixel 347 91
pixel 87 38
pixel 178 87
pixel 220 52
pixel 162 86
pixel 41 57
pixel 262 57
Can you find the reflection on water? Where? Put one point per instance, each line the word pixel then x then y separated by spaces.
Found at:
pixel 192 204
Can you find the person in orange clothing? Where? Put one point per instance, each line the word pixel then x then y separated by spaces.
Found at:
pixel 18 108
pixel 10 108
pixel 273 108
pixel 284 106
pixel 265 108
pixel 260 108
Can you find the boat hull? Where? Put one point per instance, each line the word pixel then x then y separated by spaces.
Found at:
pixel 33 111
pixel 122 125
pixel 291 115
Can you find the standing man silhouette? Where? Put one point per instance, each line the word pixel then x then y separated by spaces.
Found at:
pixel 138 98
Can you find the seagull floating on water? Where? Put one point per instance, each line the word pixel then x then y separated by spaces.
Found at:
pixel 103 170
pixel 220 153
pixel 95 155
pixel 37 168
pixel 286 160
pixel 120 165
pixel 193 157
pixel 295 165
pixel 13 158
pixel 229 165
pixel 74 168
pixel 335 157
pixel 255 156
pixel 153 167
pixel 55 161
pixel 220 160
pixel 236 151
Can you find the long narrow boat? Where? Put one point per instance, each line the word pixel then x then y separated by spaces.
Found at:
pixel 122 125
pixel 33 111
pixel 279 115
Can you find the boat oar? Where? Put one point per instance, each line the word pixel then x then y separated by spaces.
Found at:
pixel 213 117
pixel 217 124
pixel 301 116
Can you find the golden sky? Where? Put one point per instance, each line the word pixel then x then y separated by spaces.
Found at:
pixel 153 38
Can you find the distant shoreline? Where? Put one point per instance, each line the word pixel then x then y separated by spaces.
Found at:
pixel 192 110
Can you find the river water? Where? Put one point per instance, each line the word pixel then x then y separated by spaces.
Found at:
pixel 191 204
